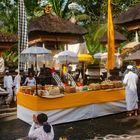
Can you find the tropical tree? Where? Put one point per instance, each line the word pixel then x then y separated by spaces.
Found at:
pixel 32 7
pixel 9 22
pixel 64 9
pixel 95 32
pixel 97 11
pixel 60 7
pixel 8 16
pixel 93 15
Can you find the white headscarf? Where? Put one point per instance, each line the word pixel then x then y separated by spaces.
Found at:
pixel 129 67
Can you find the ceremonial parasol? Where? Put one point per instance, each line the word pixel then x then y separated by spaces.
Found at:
pixel 84 58
pixel 31 54
pixel 35 54
pixel 66 57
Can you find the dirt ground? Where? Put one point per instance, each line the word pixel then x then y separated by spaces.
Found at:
pixel 12 128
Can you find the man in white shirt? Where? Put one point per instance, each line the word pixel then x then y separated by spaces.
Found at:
pixel 17 81
pixel 8 85
pixel 130 82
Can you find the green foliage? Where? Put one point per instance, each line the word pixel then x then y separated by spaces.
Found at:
pixel 8 56
pixel 118 6
pixel 95 32
pixel 60 7
pixel 8 16
pixel 93 18
pixel 31 6
pixel 9 24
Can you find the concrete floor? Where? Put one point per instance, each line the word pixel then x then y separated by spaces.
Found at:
pixel 12 128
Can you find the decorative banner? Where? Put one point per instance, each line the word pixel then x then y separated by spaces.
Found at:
pixel 110 35
pixel 2 67
pixel 22 32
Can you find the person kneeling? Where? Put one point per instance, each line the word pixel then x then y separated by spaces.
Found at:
pixel 41 129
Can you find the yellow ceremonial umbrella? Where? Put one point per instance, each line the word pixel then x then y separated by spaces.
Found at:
pixel 84 58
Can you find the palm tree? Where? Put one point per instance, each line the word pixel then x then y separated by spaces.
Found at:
pixel 95 32
pixel 60 7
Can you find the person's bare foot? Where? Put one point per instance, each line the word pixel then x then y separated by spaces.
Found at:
pixel 136 113
pixel 129 114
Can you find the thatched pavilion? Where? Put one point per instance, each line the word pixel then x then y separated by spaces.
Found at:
pixel 132 55
pixel 53 30
pixel 130 19
pixel 54 33
pixel 119 38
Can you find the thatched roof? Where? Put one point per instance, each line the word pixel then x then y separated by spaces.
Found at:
pixel 131 15
pixel 51 24
pixel 132 54
pixel 118 37
pixel 7 38
pixel 7 41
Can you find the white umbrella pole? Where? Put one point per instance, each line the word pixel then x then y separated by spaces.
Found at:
pixel 36 73
pixel 67 71
pixel 43 54
pixel 108 74
pixel 136 36
pixel 83 73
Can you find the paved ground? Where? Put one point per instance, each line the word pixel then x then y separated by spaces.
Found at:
pixel 12 128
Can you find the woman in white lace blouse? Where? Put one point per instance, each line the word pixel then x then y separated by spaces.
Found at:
pixel 30 80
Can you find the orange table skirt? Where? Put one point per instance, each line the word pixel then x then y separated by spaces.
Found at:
pixel 71 100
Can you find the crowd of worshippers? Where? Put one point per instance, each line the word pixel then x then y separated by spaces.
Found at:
pixel 11 84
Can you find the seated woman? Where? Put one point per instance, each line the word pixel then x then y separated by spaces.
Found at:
pixel 30 80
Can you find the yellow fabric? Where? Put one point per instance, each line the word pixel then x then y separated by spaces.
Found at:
pixel 111 44
pixel 138 66
pixel 69 100
pixel 64 69
pixel 85 58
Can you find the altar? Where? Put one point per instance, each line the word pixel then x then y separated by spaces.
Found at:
pixel 73 106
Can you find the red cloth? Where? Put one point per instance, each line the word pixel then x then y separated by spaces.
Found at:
pixel 53 69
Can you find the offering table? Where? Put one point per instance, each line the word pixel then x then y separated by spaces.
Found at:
pixel 73 106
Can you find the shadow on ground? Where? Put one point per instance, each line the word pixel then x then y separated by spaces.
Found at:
pixel 81 130
pixel 113 124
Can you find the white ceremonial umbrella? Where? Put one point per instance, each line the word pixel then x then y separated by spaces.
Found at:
pixel 35 50
pixel 131 45
pixel 32 53
pixel 66 57
pixel 103 55
pixel 98 55
pixel 103 58
pixel 36 53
